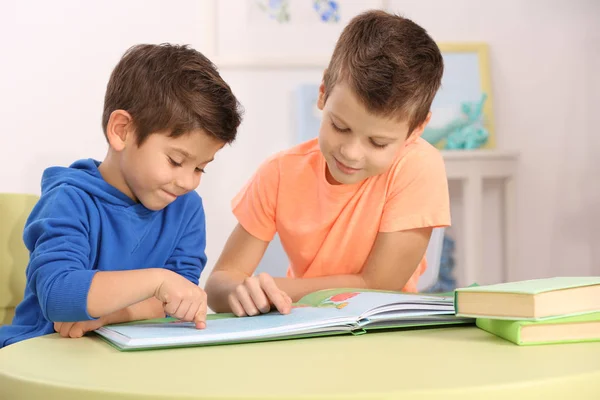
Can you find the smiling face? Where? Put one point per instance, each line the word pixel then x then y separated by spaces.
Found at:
pixel 357 144
pixel 164 168
pixel 160 169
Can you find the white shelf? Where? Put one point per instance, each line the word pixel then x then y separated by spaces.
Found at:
pixel 480 154
pixel 480 164
pixel 471 168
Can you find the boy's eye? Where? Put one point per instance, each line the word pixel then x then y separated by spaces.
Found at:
pixel 378 145
pixel 337 128
pixel 174 163
pixel 201 170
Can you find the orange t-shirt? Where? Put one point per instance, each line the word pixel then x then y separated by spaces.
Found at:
pixel 330 229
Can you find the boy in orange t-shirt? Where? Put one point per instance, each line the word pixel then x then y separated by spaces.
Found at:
pixel 355 207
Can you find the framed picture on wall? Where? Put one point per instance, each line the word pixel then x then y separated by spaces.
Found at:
pixel 461 111
pixel 462 114
pixel 279 31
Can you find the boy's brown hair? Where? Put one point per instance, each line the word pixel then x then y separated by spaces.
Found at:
pixel 392 65
pixel 173 88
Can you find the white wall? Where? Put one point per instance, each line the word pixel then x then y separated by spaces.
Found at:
pixel 545 58
pixel 57 57
pixel 56 60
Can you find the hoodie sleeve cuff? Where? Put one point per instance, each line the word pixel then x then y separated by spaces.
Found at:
pixel 68 299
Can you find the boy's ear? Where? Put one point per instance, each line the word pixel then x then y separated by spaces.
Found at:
pixel 321 99
pixel 119 129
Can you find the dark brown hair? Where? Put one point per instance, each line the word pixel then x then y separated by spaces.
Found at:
pixel 392 65
pixel 171 88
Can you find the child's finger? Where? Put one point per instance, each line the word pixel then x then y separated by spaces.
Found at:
pixel 182 310
pixel 246 301
pixel 76 331
pixel 65 328
pixel 236 306
pixel 200 318
pixel 287 304
pixel 258 296
pixel 171 307
pixel 192 311
pixel 275 294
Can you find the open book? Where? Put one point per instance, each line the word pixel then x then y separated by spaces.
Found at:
pixel 328 312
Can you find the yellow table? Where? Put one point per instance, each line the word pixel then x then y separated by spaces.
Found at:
pixel 450 363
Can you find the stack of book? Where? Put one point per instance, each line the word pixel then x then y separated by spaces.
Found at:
pixel 539 311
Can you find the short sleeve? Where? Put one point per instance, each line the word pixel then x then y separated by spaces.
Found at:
pixel 255 205
pixel 417 192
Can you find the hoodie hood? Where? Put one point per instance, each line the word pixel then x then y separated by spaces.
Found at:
pixel 84 175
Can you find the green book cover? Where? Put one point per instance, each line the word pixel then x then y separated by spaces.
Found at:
pixel 513 330
pixel 535 286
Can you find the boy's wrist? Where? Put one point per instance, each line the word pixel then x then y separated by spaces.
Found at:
pixel 159 275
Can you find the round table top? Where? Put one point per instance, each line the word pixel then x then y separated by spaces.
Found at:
pixel 449 363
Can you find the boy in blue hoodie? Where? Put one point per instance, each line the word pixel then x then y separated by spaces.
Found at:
pixel 124 239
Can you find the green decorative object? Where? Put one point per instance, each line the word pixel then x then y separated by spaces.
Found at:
pixel 465 132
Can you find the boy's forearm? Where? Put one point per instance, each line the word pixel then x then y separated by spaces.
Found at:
pixel 146 309
pixel 112 291
pixel 218 287
pixel 221 283
pixel 297 288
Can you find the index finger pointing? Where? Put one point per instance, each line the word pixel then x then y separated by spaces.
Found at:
pixel 200 318
pixel 275 294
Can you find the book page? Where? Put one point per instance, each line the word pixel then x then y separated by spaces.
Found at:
pixel 361 303
pixel 331 312
pixel 301 320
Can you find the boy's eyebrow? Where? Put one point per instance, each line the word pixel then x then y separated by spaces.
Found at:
pixel 182 152
pixel 384 138
pixel 338 118
pixel 188 155
pixel 372 137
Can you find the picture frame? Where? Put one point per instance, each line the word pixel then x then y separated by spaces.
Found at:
pixel 467 77
pixel 246 35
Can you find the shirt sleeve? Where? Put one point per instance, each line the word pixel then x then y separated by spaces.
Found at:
pixel 418 193
pixel 59 271
pixel 189 257
pixel 255 205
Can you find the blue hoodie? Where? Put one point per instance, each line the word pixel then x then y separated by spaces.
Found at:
pixel 82 225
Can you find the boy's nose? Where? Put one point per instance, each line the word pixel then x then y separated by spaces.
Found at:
pixel 188 182
pixel 351 151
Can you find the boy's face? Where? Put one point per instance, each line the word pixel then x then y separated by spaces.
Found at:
pixel 356 143
pixel 163 167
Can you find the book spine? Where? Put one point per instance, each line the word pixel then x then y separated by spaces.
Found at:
pixel 456 302
pixel 508 330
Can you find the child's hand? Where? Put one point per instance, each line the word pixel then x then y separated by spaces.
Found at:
pixel 182 299
pixel 77 329
pixel 256 295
